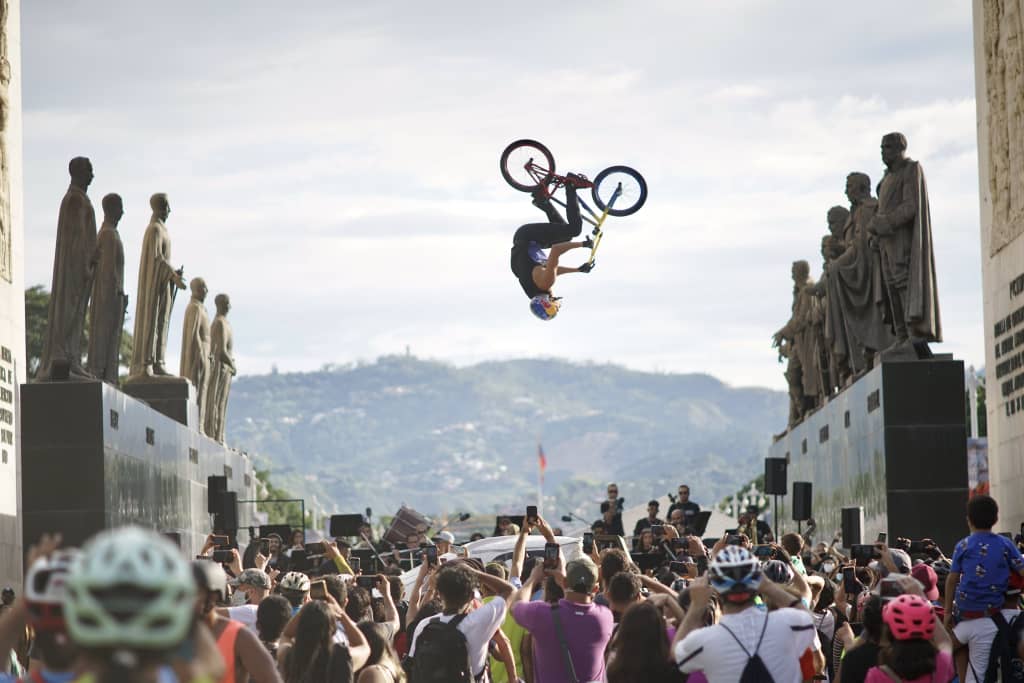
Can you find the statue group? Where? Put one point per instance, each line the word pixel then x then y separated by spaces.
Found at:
pixel 877 294
pixel 88 277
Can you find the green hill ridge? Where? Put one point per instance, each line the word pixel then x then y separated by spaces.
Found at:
pixel 443 439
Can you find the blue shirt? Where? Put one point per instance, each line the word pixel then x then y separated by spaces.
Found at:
pixel 48 677
pixel 984 561
pixel 537 254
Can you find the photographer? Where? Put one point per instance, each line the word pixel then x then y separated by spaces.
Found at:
pixel 611 511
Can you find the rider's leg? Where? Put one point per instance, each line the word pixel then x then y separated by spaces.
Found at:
pixel 543 202
pixel 572 212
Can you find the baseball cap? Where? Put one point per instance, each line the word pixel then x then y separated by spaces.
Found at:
pixel 928 579
pixel 251 577
pixel 581 575
pixel 901 559
pixel 447 557
pixel 445 536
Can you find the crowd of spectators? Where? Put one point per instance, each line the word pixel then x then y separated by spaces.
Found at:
pixel 664 605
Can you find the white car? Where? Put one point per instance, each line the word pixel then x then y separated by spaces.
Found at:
pixel 499 549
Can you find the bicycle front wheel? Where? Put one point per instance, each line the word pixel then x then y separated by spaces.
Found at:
pixel 526 165
pixel 631 197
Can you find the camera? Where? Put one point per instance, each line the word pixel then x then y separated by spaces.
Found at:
pixel 550 555
pixel 367 582
pixel 222 556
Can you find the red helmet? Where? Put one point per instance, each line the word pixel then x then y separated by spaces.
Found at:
pixel 909 617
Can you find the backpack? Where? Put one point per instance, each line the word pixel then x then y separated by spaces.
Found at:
pixel 442 654
pixel 755 671
pixel 1003 662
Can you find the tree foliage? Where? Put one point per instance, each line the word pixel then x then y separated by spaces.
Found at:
pixel 277 513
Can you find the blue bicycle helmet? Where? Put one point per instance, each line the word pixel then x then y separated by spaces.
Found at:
pixel 734 572
pixel 544 306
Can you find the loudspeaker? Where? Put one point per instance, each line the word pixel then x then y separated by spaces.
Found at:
pixel 775 476
pixel 853 525
pixel 226 519
pixel 216 486
pixel 346 525
pixel 801 501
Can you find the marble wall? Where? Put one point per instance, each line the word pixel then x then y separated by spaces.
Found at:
pixel 12 286
pixel 999 90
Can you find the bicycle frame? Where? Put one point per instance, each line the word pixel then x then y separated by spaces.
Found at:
pixel 555 182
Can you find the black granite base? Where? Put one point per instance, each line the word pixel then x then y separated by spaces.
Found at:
pixel 175 399
pixel 894 442
pixel 94 457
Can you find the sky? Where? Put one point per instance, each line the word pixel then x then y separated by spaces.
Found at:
pixel 333 166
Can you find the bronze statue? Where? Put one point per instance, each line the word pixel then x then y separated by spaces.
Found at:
pixel 796 343
pixel 222 369
pixel 109 302
pixel 74 263
pixel 195 345
pixel 903 228
pixel 860 330
pixel 158 285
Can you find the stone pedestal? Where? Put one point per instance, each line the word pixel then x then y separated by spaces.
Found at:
pixel 95 458
pixel 895 442
pixel 175 399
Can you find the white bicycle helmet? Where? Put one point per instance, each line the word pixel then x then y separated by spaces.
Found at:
pixel 210 576
pixel 294 581
pixel 734 571
pixel 129 589
pixel 44 589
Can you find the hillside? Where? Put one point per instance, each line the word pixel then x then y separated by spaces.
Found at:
pixel 445 439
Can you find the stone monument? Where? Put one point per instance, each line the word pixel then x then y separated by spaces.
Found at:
pixel 222 369
pixel 74 263
pixel 195 346
pixel 157 287
pixel 795 342
pixel 902 226
pixel 999 96
pixel 109 302
pixel 13 369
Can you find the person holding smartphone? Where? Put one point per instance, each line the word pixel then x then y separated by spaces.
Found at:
pixel 650 520
pixel 251 587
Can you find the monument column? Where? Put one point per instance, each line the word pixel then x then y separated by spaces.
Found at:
pixel 12 292
pixel 999 94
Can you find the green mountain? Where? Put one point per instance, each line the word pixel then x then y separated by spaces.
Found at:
pixel 447 439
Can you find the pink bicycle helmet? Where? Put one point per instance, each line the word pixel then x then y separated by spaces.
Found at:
pixel 909 617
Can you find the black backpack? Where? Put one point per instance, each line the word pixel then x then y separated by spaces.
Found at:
pixel 442 654
pixel 1003 662
pixel 755 671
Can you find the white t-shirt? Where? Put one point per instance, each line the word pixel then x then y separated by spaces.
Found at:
pixel 977 635
pixel 245 614
pixel 712 650
pixel 479 627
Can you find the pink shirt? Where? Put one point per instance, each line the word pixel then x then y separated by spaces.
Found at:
pixel 943 673
pixel 587 630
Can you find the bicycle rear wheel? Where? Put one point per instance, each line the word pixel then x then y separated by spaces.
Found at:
pixel 632 197
pixel 527 164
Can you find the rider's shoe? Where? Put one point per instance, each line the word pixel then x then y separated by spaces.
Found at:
pixel 588 243
pixel 578 180
pixel 540 197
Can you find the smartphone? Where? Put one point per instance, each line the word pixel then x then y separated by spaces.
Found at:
pixel 315 548
pixel 531 514
pixel 916 547
pixel 367 582
pixel 850 586
pixel 658 530
pixel 702 565
pixel 889 589
pixel 763 552
pixel 355 564
pixel 588 543
pixel 863 553
pixel 265 547
pixel 318 590
pixel 1007 534
pixel 223 556
pixel 1022 528
pixel 679 544
pixel 550 555
pixel 218 540
pixel 678 568
pixel 430 555
pixel 882 537
pixel 734 539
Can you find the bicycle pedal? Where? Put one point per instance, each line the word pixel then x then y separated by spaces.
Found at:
pixel 595 231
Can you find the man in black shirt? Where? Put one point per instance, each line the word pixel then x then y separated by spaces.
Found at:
pixel 683 502
pixel 612 518
pixel 650 520
pixel 537 271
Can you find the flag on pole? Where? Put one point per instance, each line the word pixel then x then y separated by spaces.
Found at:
pixel 542 461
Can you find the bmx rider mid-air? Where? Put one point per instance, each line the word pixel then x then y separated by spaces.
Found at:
pixel 536 270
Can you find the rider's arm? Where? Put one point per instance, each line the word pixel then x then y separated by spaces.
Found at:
pixel 562 270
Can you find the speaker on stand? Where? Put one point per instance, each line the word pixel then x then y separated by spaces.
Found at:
pixel 801 504
pixel 853 525
pixel 775 485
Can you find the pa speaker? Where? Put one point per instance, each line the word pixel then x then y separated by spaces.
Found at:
pixel 775 476
pixel 225 520
pixel 801 501
pixel 216 486
pixel 346 525
pixel 853 526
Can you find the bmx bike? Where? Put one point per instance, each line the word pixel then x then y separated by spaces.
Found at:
pixel 529 166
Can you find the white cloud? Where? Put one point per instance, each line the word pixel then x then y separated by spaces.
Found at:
pixel 335 168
